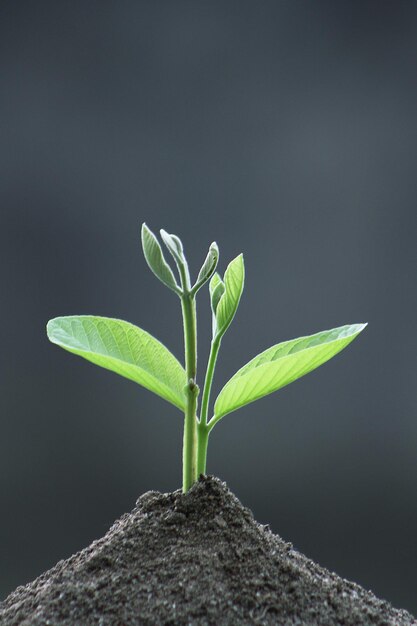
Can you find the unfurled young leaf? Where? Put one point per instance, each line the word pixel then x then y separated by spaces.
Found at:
pixel 122 348
pixel 216 288
pixel 208 268
pixel 175 247
pixel 226 308
pixel 156 261
pixel 280 365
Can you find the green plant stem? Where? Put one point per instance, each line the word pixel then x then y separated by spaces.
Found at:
pixel 189 453
pixel 202 430
pixel 202 442
pixel 189 475
pixel 214 351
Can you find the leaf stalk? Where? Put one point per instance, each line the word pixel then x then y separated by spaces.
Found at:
pixel 214 351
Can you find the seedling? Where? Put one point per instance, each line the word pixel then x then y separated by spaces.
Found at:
pixel 135 354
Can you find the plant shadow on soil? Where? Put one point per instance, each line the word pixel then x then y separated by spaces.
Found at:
pixel 198 558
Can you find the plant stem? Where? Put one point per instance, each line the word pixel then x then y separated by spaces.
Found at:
pixel 189 451
pixel 214 351
pixel 202 430
pixel 202 443
pixel 189 456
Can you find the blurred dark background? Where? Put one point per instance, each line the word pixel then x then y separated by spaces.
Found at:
pixel 283 129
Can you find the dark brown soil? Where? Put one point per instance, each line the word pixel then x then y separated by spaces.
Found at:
pixel 193 559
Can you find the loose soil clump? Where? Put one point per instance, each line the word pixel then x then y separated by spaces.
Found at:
pixel 193 559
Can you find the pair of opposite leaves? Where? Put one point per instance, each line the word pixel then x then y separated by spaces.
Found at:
pixel 135 354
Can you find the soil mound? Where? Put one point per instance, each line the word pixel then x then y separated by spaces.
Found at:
pixel 193 559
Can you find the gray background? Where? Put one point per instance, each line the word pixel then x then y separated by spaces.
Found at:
pixel 286 130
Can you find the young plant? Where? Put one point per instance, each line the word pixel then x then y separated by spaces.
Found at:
pixel 135 354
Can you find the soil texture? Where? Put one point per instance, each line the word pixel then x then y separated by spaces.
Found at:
pixel 193 559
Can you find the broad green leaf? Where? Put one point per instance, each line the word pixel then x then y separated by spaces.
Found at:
pixel 280 365
pixel 208 268
pixel 122 348
pixel 156 261
pixel 234 279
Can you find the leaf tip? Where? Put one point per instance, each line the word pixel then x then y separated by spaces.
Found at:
pixel 145 231
pixel 361 326
pixel 51 327
pixel 239 261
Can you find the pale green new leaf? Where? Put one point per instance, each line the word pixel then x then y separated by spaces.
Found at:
pixel 122 348
pixel 216 289
pixel 280 365
pixel 156 261
pixel 234 279
pixel 208 268
pixel 175 247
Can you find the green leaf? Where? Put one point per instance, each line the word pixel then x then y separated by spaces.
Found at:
pixel 234 279
pixel 175 247
pixel 122 348
pixel 156 261
pixel 208 268
pixel 216 288
pixel 280 365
